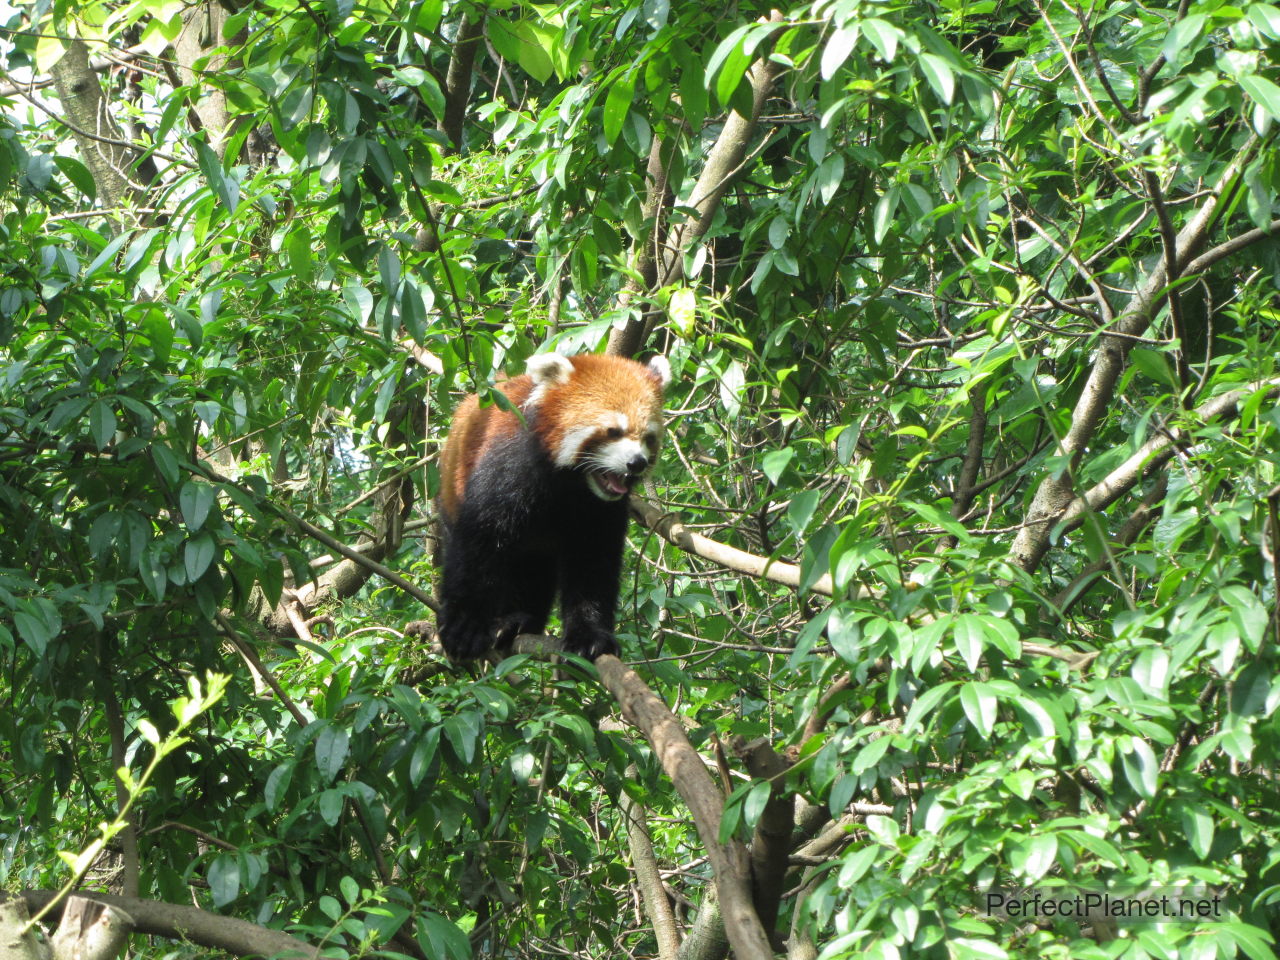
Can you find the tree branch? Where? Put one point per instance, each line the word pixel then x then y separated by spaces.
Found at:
pixel 1228 247
pixel 642 707
pixel 175 922
pixel 645 864
pixel 1055 491
pixel 723 164
pixel 671 529
pixel 1150 455
pixel 457 83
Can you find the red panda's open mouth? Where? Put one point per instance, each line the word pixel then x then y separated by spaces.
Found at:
pixel 608 485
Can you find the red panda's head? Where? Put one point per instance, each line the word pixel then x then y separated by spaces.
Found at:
pixel 599 415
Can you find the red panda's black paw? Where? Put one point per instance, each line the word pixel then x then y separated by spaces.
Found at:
pixel 514 624
pixel 591 643
pixel 464 637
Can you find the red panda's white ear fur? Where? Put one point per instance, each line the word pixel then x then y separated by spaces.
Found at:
pixel 660 369
pixel 549 369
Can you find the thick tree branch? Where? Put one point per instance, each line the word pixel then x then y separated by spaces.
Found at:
pixel 102 145
pixel 724 163
pixel 771 841
pixel 644 257
pixel 642 707
pixel 706 939
pixel 201 36
pixel 1154 453
pixel 1136 522
pixel 1228 247
pixel 175 922
pixel 1055 491
pixel 115 731
pixel 457 84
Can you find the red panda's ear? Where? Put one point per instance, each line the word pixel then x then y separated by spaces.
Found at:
pixel 549 369
pixel 660 369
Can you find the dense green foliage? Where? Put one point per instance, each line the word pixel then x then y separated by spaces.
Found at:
pixel 887 340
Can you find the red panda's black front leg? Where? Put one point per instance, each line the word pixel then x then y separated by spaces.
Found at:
pixel 590 567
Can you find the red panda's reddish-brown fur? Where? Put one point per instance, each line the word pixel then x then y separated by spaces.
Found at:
pixel 538 508
pixel 473 430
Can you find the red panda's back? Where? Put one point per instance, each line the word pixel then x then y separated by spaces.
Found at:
pixel 475 429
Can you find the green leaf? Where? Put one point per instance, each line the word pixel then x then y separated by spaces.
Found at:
pixel 102 423
pixel 1197 824
pixel 1251 689
pixel 938 72
pixel 775 462
pixel 332 744
pixel 844 630
pixel 224 879
pixel 1265 93
pixel 350 890
pixel 462 730
pixel 195 500
pixel 524 43
pixel 224 188
pixel 871 754
pixel 1141 768
pixel 884 36
pixel 423 755
pixel 277 785
pixel 837 50
pixel 616 106
pixel 970 637
pixel 1034 857
pixel 1266 19
pixel 1184 32
pixel 38 622
pixel 79 175
pixel 1155 365
pixel 722 51
pixel 755 802
pixel 198 554
pixel 329 905
pixel 1151 671
pixel 682 311
pixel 829 177
pixel 924 704
pixel 882 218
pixel 979 703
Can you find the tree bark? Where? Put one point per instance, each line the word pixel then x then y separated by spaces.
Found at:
pixel 177 922
pixel 90 930
pixel 645 864
pixel 642 707
pixel 718 174
pixel 457 83
pixel 106 153
pixel 1055 491
pixel 201 33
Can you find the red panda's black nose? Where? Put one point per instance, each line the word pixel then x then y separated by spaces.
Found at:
pixel 637 463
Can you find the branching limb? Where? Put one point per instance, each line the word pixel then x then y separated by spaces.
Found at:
pixel 642 707
pixel 671 529
pixel 1055 491
pixel 176 922
pixel 771 841
pixel 1152 454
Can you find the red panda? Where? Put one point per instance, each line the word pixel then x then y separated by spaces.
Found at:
pixel 538 509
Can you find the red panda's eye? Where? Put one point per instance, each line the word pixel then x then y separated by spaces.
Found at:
pixel 613 433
